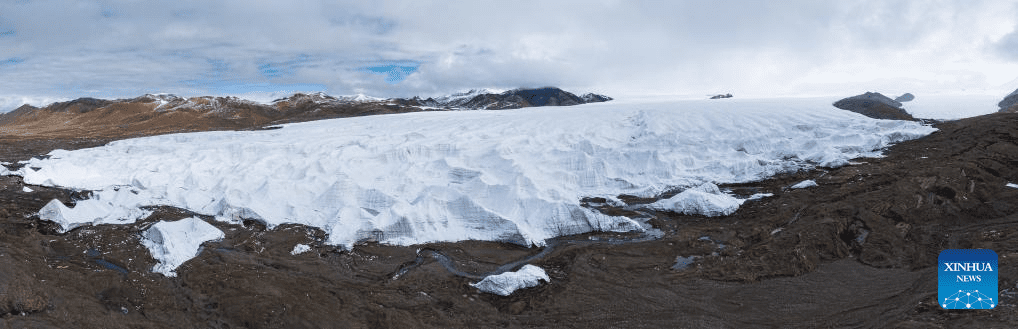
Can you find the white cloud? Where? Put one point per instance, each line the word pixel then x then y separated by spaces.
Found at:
pixel 121 48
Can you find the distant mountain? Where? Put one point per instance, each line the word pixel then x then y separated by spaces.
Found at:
pixel 161 113
pixel 595 98
pixel 874 105
pixel 485 99
pixel 474 99
pixel 80 105
pixel 459 98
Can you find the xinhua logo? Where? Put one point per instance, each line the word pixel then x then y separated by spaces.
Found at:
pixel 967 279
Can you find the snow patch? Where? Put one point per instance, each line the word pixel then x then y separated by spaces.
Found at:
pixel 300 248
pixel 173 243
pixel 26 189
pixel 805 184
pixel 1012 185
pixel 705 200
pixel 506 283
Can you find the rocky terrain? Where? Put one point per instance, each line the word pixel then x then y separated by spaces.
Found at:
pixel 875 105
pixel 857 250
pixel 1009 103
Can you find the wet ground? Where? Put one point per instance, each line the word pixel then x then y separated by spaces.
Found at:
pixel 858 250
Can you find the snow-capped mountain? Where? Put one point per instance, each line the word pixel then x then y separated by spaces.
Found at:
pixel 466 96
pixel 488 99
pixel 228 104
pixel 595 98
pixel 361 98
pixel 316 98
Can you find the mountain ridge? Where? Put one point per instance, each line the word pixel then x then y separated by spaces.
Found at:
pixel 165 113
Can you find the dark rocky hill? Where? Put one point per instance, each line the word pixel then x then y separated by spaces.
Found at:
pixel 874 105
pixel 519 98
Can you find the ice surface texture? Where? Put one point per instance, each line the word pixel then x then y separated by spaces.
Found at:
pixel 173 243
pixel 512 175
pixel 506 283
pixel 705 200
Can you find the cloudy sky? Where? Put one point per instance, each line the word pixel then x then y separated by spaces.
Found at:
pixel 64 49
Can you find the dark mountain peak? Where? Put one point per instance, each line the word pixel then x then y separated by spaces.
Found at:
pixel 874 105
pixel 23 110
pixel 486 99
pixel 80 105
pixel 417 101
pixel 317 97
pixel 26 107
pixel 153 98
pixel 595 98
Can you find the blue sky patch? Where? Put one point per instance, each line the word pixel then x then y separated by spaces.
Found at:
pixel 11 61
pixel 284 69
pixel 218 79
pixel 394 73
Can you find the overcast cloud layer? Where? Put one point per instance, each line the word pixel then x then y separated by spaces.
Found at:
pixel 65 49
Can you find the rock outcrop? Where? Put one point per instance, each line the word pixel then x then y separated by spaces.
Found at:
pixel 720 96
pixel 1009 103
pixel 595 98
pixel 906 97
pixel 874 105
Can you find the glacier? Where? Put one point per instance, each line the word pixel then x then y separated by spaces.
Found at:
pixel 510 175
